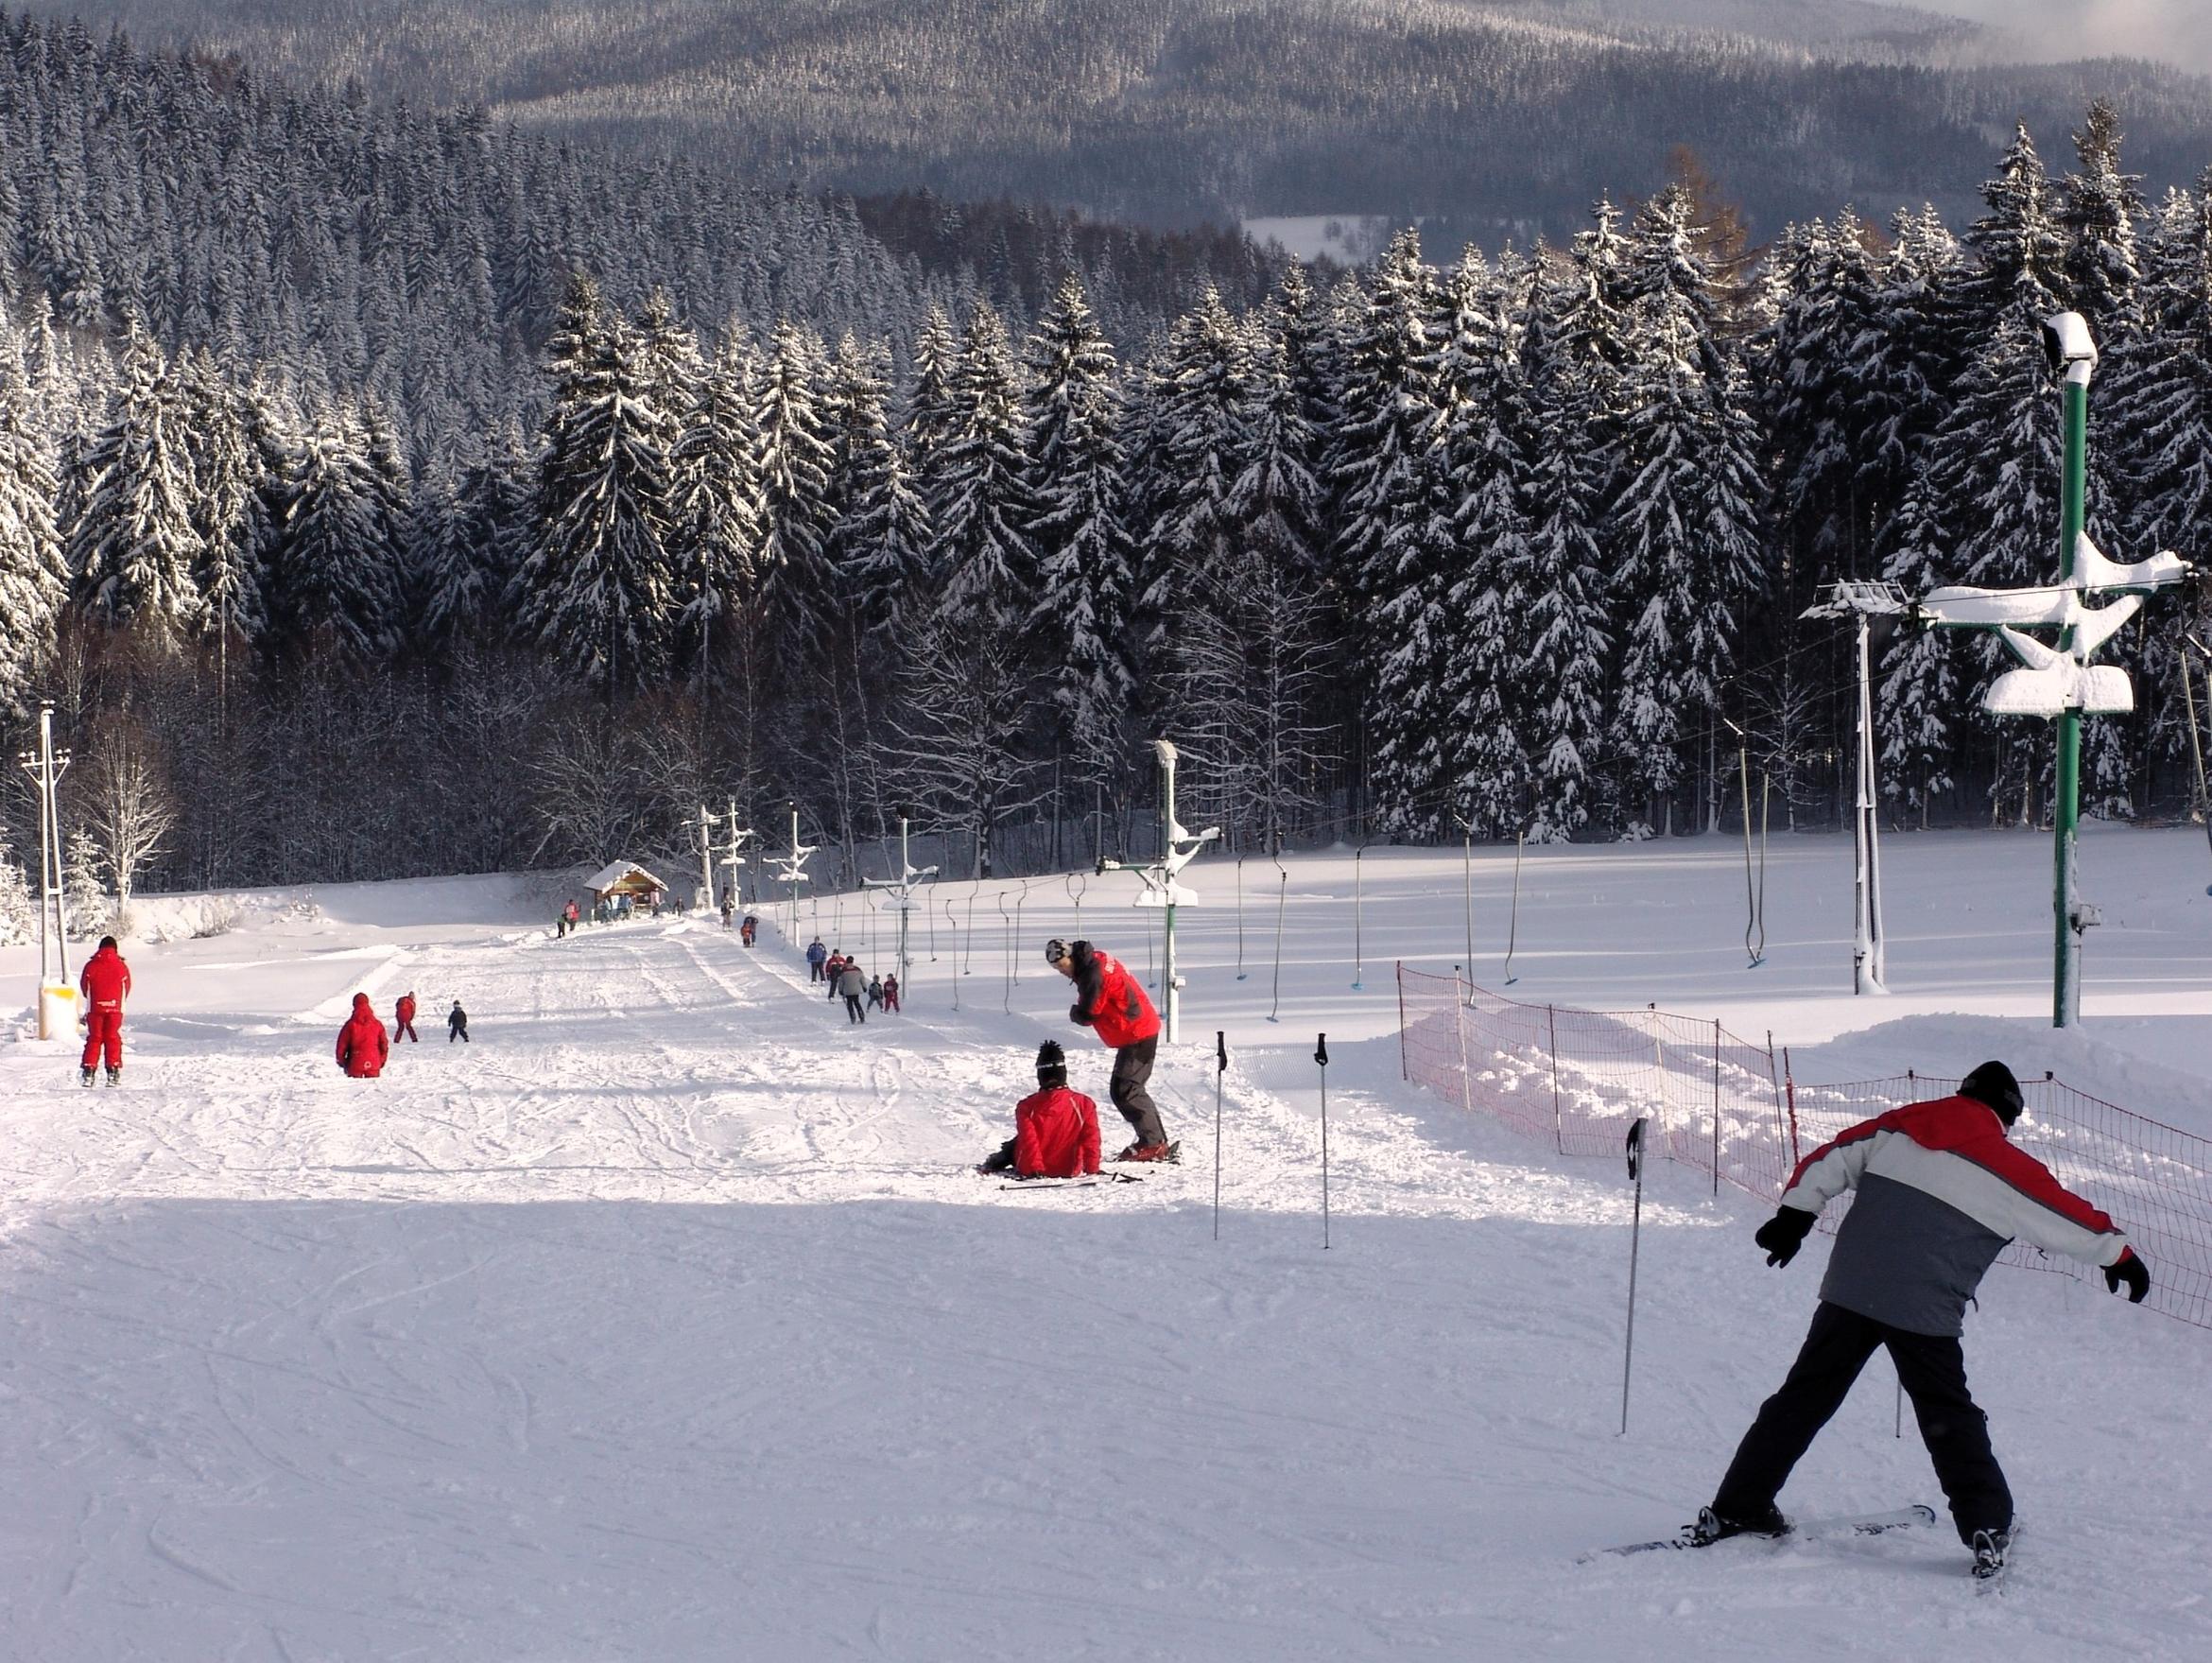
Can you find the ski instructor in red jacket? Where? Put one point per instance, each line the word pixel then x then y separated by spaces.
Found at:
pixel 1942 1189
pixel 1111 1002
pixel 105 984
pixel 362 1044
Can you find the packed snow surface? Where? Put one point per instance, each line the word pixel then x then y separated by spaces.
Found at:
pixel 665 1320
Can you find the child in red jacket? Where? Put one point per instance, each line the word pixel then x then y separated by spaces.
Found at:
pixel 1056 1130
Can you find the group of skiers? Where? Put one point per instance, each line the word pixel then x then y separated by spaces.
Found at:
pixel 364 1048
pixel 860 991
pixel 614 909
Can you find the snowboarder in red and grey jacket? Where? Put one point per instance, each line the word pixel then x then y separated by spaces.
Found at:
pixel 1111 1003
pixel 1942 1189
pixel 1056 1130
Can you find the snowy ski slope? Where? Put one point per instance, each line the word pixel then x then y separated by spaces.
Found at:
pixel 665 1321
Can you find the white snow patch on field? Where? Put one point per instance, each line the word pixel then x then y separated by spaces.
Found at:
pixel 665 1321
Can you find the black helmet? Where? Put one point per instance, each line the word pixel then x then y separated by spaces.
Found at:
pixel 1055 950
pixel 1993 1084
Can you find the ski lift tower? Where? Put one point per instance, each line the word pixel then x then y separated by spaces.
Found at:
pixel 900 899
pixel 2059 682
pixel 738 837
pixel 46 767
pixel 1865 601
pixel 791 869
pixel 1161 889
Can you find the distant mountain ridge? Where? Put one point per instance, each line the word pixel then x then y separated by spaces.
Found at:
pixel 1489 119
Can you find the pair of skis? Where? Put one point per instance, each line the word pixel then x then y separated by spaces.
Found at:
pixel 1091 1183
pixel 1988 1569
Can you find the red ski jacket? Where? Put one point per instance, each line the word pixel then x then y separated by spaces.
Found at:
pixel 105 981
pixel 1110 1000
pixel 406 1011
pixel 1056 1133
pixel 1941 1189
pixel 362 1044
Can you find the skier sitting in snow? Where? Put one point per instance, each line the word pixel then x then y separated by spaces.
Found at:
pixel 362 1044
pixel 1056 1130
pixel 817 956
pixel 851 982
pixel 1940 1191
pixel 457 1025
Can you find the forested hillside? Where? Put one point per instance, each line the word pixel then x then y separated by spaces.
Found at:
pixel 1507 540
pixel 1487 120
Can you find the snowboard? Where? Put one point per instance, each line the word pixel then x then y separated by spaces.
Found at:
pixel 1805 1529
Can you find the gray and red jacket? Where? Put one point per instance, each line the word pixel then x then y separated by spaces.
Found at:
pixel 1940 1191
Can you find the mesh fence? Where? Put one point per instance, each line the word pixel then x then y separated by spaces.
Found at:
pixel 1725 1107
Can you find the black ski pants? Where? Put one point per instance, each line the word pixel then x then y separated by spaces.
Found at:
pixel 1133 1068
pixel 852 1010
pixel 1933 1369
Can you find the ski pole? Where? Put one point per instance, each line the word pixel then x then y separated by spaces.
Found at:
pixel 1220 1066
pixel 1320 1055
pixel 1635 1166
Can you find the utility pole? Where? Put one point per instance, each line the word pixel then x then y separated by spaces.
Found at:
pixel 2061 682
pixel 1158 879
pixel 706 859
pixel 901 899
pixel 45 766
pixel 739 836
pixel 1863 602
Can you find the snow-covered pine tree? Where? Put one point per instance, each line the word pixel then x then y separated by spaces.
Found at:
pixel 134 545
pixel 1085 554
pixel 795 459
pixel 1477 374
pixel 1995 468
pixel 717 506
pixel 84 895
pixel 1393 545
pixel 331 584
pixel 930 415
pixel 1917 706
pixel 985 570
pixel 595 588
pixel 33 576
pixel 225 475
pixel 1562 582
pixel 19 910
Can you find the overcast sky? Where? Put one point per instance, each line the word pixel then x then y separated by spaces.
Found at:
pixel 2179 31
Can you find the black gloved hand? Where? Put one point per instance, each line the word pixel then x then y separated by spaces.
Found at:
pixel 1783 1234
pixel 2132 1271
pixel 1077 1013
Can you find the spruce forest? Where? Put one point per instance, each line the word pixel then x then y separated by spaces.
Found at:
pixel 385 493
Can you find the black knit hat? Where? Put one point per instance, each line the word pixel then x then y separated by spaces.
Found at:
pixel 1993 1084
pixel 1051 1063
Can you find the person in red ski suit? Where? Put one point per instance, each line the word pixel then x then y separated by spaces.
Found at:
pixel 105 983
pixel 1940 1190
pixel 362 1044
pixel 1111 1003
pixel 1056 1130
pixel 891 992
pixel 404 1018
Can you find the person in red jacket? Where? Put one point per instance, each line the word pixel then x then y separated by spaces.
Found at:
pixel 403 1017
pixel 105 983
pixel 1940 1190
pixel 362 1044
pixel 1056 1130
pixel 1111 1003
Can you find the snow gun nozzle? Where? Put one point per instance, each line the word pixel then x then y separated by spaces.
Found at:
pixel 1320 1049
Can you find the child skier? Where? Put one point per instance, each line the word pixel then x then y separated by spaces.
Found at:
pixel 1940 1191
pixel 1056 1130
pixel 457 1025
pixel 891 994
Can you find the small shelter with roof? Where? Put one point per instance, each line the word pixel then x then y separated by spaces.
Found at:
pixel 626 880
